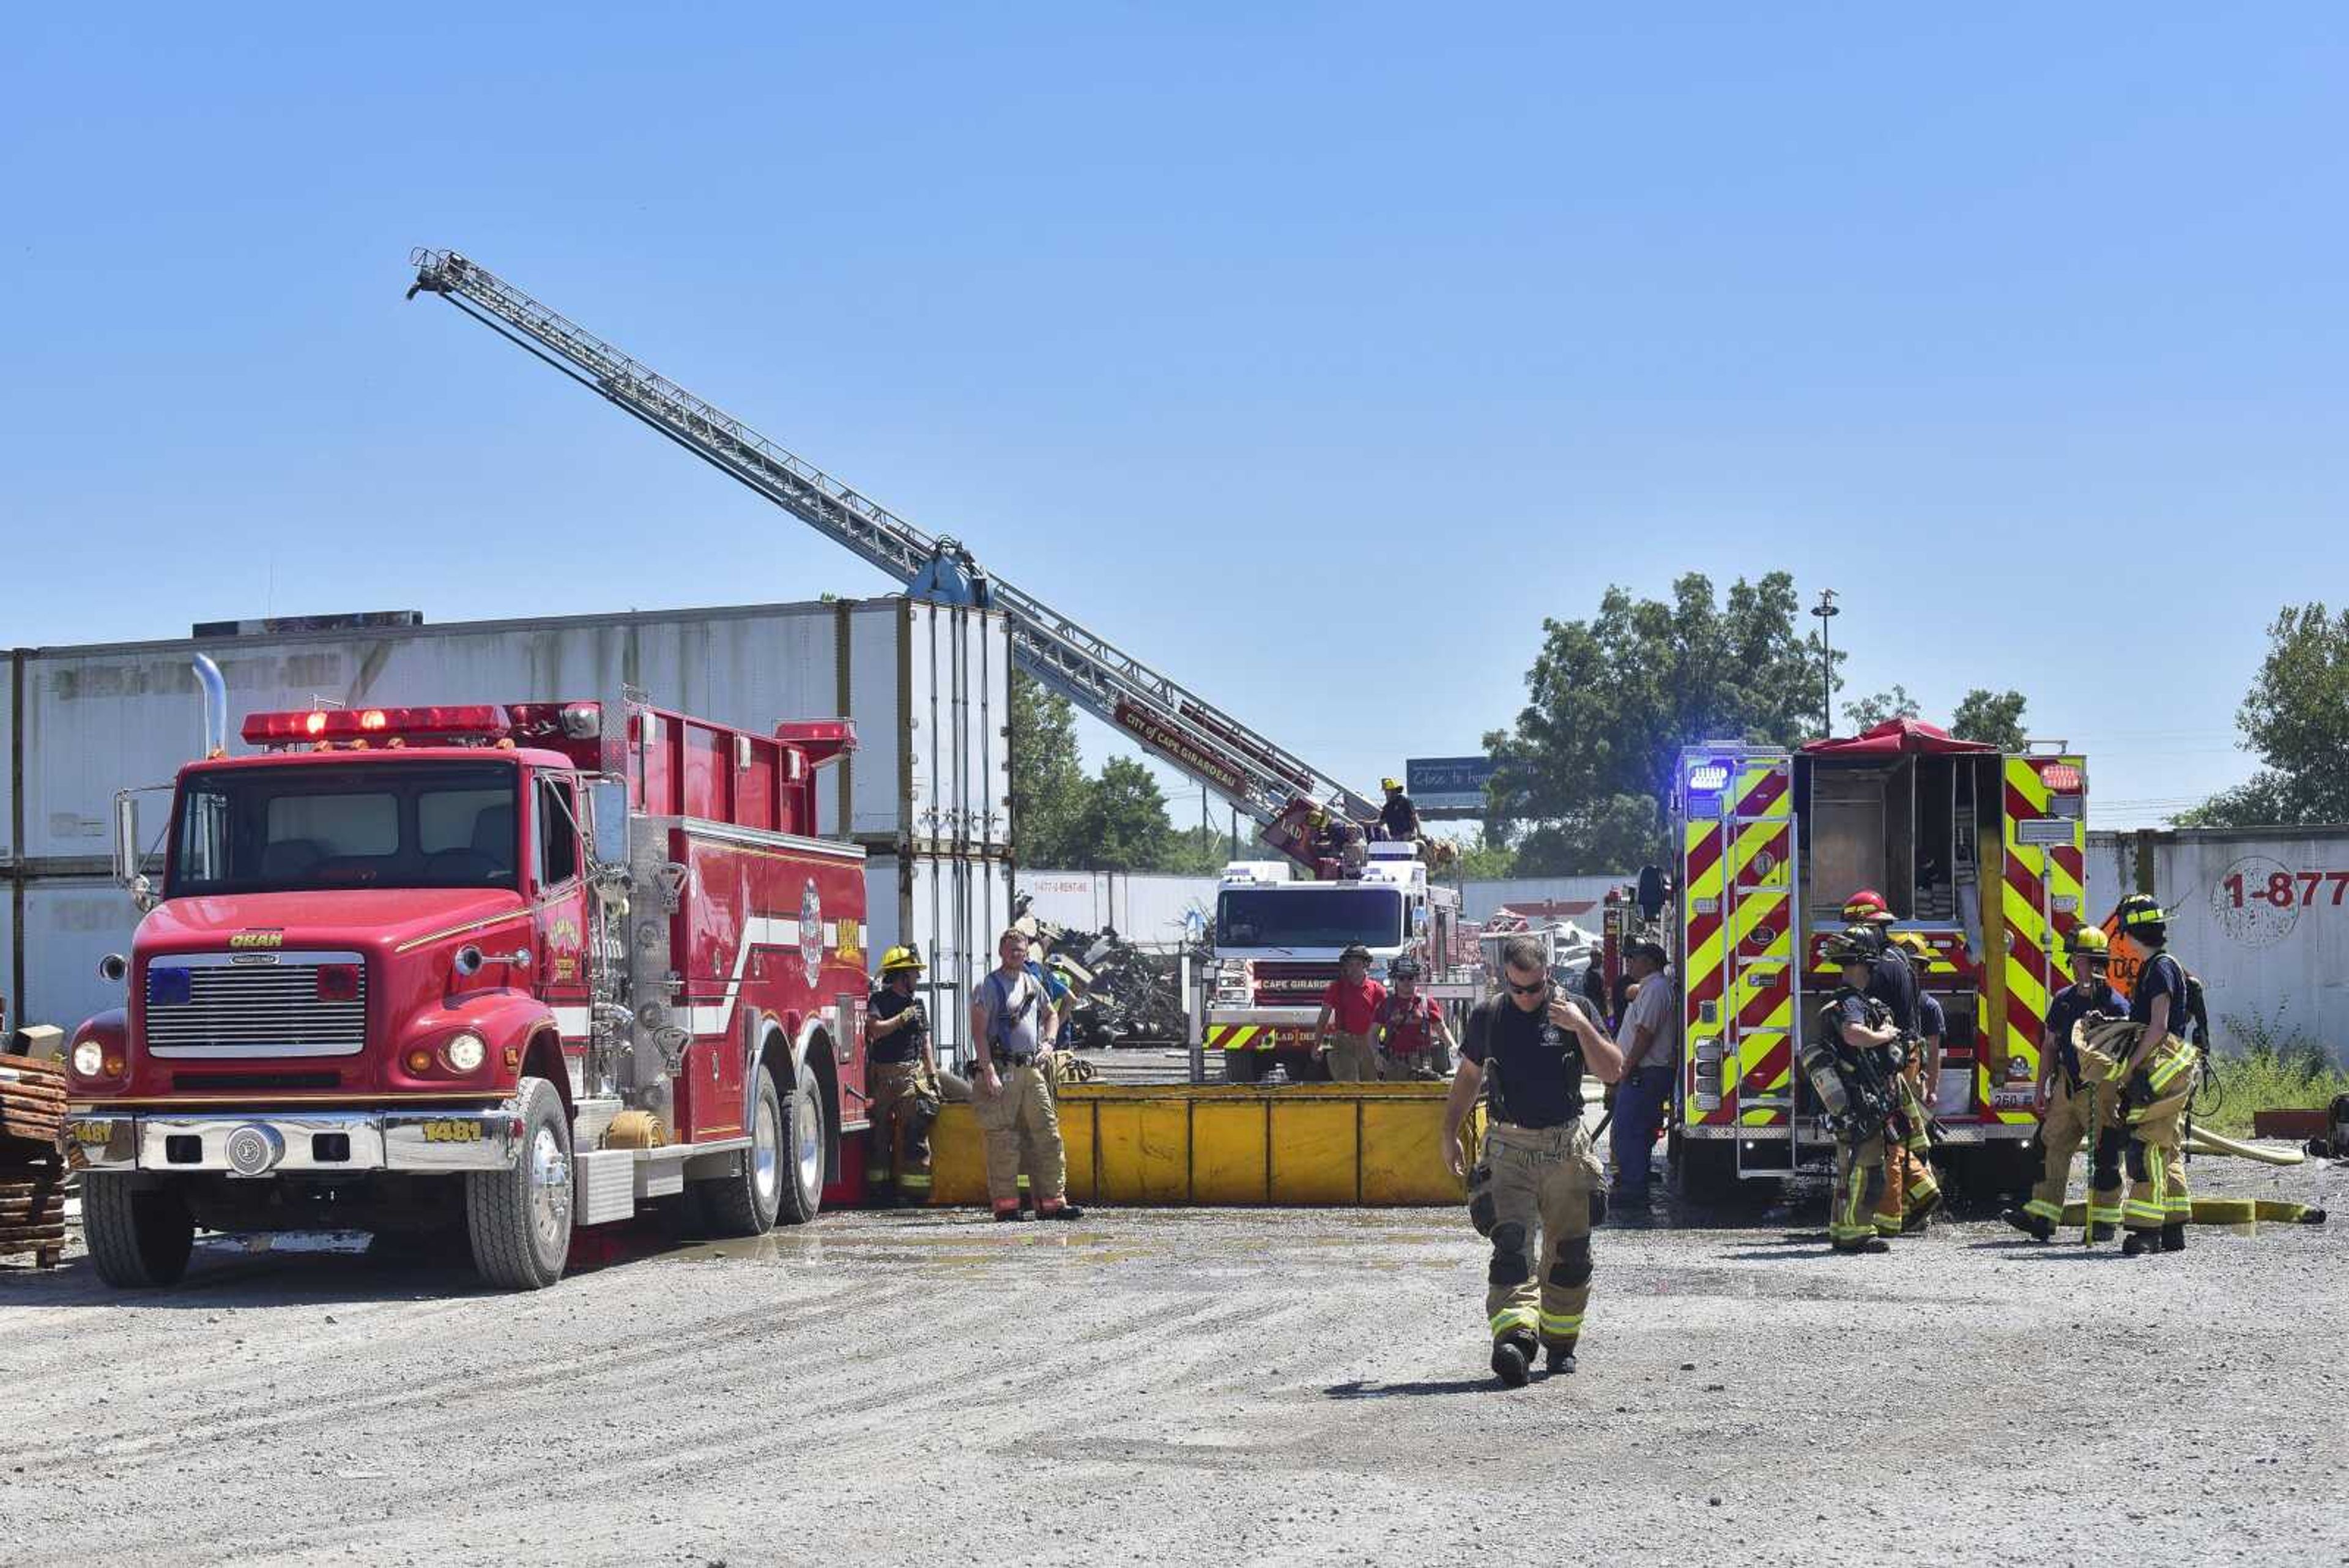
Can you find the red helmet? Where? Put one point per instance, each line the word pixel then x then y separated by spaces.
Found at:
pixel 1867 904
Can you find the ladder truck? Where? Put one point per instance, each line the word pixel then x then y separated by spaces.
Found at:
pixel 1284 795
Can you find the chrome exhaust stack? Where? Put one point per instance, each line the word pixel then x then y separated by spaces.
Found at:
pixel 208 675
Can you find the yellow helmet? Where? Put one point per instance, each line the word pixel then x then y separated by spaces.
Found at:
pixel 898 960
pixel 2088 941
pixel 1391 785
pixel 1918 950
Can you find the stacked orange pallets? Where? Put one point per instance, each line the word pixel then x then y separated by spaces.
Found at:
pixel 32 1169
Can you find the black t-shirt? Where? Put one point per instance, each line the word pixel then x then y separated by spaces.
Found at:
pixel 2160 976
pixel 1399 817
pixel 2071 1005
pixel 1931 1022
pixel 1892 982
pixel 898 1045
pixel 1534 1066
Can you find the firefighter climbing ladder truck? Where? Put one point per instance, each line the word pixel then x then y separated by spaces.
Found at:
pixel 1246 768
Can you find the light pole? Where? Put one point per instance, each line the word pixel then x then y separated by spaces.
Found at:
pixel 1826 612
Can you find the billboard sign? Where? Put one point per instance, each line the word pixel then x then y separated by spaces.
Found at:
pixel 1448 786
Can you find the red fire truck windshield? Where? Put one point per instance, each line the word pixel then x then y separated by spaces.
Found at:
pixel 1308 915
pixel 379 824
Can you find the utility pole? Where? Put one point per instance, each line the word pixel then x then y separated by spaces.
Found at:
pixel 1826 612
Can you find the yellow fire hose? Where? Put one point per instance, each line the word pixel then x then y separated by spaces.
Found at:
pixel 2236 1211
pixel 2205 1141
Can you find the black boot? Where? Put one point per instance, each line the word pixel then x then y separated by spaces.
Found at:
pixel 2141 1242
pixel 1513 1358
pixel 1556 1358
pixel 2031 1225
pixel 2173 1236
pixel 2099 1233
pixel 1873 1244
pixel 1065 1211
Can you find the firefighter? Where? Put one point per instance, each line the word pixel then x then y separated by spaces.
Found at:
pixel 2069 1105
pixel 1398 817
pixel 1852 1063
pixel 901 1070
pixel 1351 1003
pixel 1011 1096
pixel 1538 1178
pixel 2155 1074
pixel 1414 1038
pixel 1912 1149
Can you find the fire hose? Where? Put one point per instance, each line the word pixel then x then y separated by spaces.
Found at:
pixel 2204 1141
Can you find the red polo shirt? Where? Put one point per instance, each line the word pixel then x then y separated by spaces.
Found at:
pixel 1353 1009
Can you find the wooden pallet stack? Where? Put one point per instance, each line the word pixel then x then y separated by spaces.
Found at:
pixel 32 1166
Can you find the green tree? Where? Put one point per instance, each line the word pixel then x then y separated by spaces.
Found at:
pixel 1870 712
pixel 1992 717
pixel 1203 852
pixel 1482 859
pixel 2296 718
pixel 1123 825
pixel 1050 791
pixel 1610 702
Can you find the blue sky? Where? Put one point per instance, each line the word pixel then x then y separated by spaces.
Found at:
pixel 1314 353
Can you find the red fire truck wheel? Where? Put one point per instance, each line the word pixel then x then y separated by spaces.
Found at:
pixel 520 1220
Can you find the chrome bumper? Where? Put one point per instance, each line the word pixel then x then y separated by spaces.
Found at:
pixel 305 1143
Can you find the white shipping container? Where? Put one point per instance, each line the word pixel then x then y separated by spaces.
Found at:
pixel 932 770
pixel 950 908
pixel 1149 909
pixel 15 676
pixel 2260 915
pixel 69 923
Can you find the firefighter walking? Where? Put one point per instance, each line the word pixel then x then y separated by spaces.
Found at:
pixel 901 1072
pixel 2155 1074
pixel 1536 1177
pixel 2071 1111
pixel 1852 1064
pixel 1012 1022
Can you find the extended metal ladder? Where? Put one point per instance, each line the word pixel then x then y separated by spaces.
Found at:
pixel 1244 767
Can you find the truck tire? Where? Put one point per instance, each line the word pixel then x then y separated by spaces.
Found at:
pixel 1241 1066
pixel 807 1134
pixel 1705 1170
pixel 520 1220
pixel 138 1238
pixel 746 1203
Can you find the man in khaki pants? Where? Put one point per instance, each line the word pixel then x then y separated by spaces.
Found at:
pixel 1531 1192
pixel 1351 1003
pixel 1013 1025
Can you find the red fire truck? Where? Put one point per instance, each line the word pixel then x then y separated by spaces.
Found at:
pixel 517 968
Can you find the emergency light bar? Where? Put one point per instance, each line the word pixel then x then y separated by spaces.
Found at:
pixel 475 721
pixel 1707 778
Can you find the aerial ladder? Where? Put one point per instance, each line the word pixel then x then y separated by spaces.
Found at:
pixel 1277 790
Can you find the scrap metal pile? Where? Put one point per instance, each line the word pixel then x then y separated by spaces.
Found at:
pixel 1127 997
pixel 32 1171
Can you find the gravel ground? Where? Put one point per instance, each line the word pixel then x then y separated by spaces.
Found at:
pixel 1204 1387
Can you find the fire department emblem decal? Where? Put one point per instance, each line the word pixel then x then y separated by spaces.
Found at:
pixel 810 933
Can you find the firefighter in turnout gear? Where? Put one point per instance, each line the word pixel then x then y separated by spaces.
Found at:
pixel 901 1072
pixel 1909 1153
pixel 1398 818
pixel 1538 1181
pixel 1852 1065
pixel 2154 1078
pixel 2071 1110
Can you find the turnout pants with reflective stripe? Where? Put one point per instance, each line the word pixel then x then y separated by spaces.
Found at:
pixel 897 1147
pixel 1531 1196
pixel 2156 1193
pixel 1352 1059
pixel 2061 1132
pixel 1859 1185
pixel 1909 1181
pixel 1023 1139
